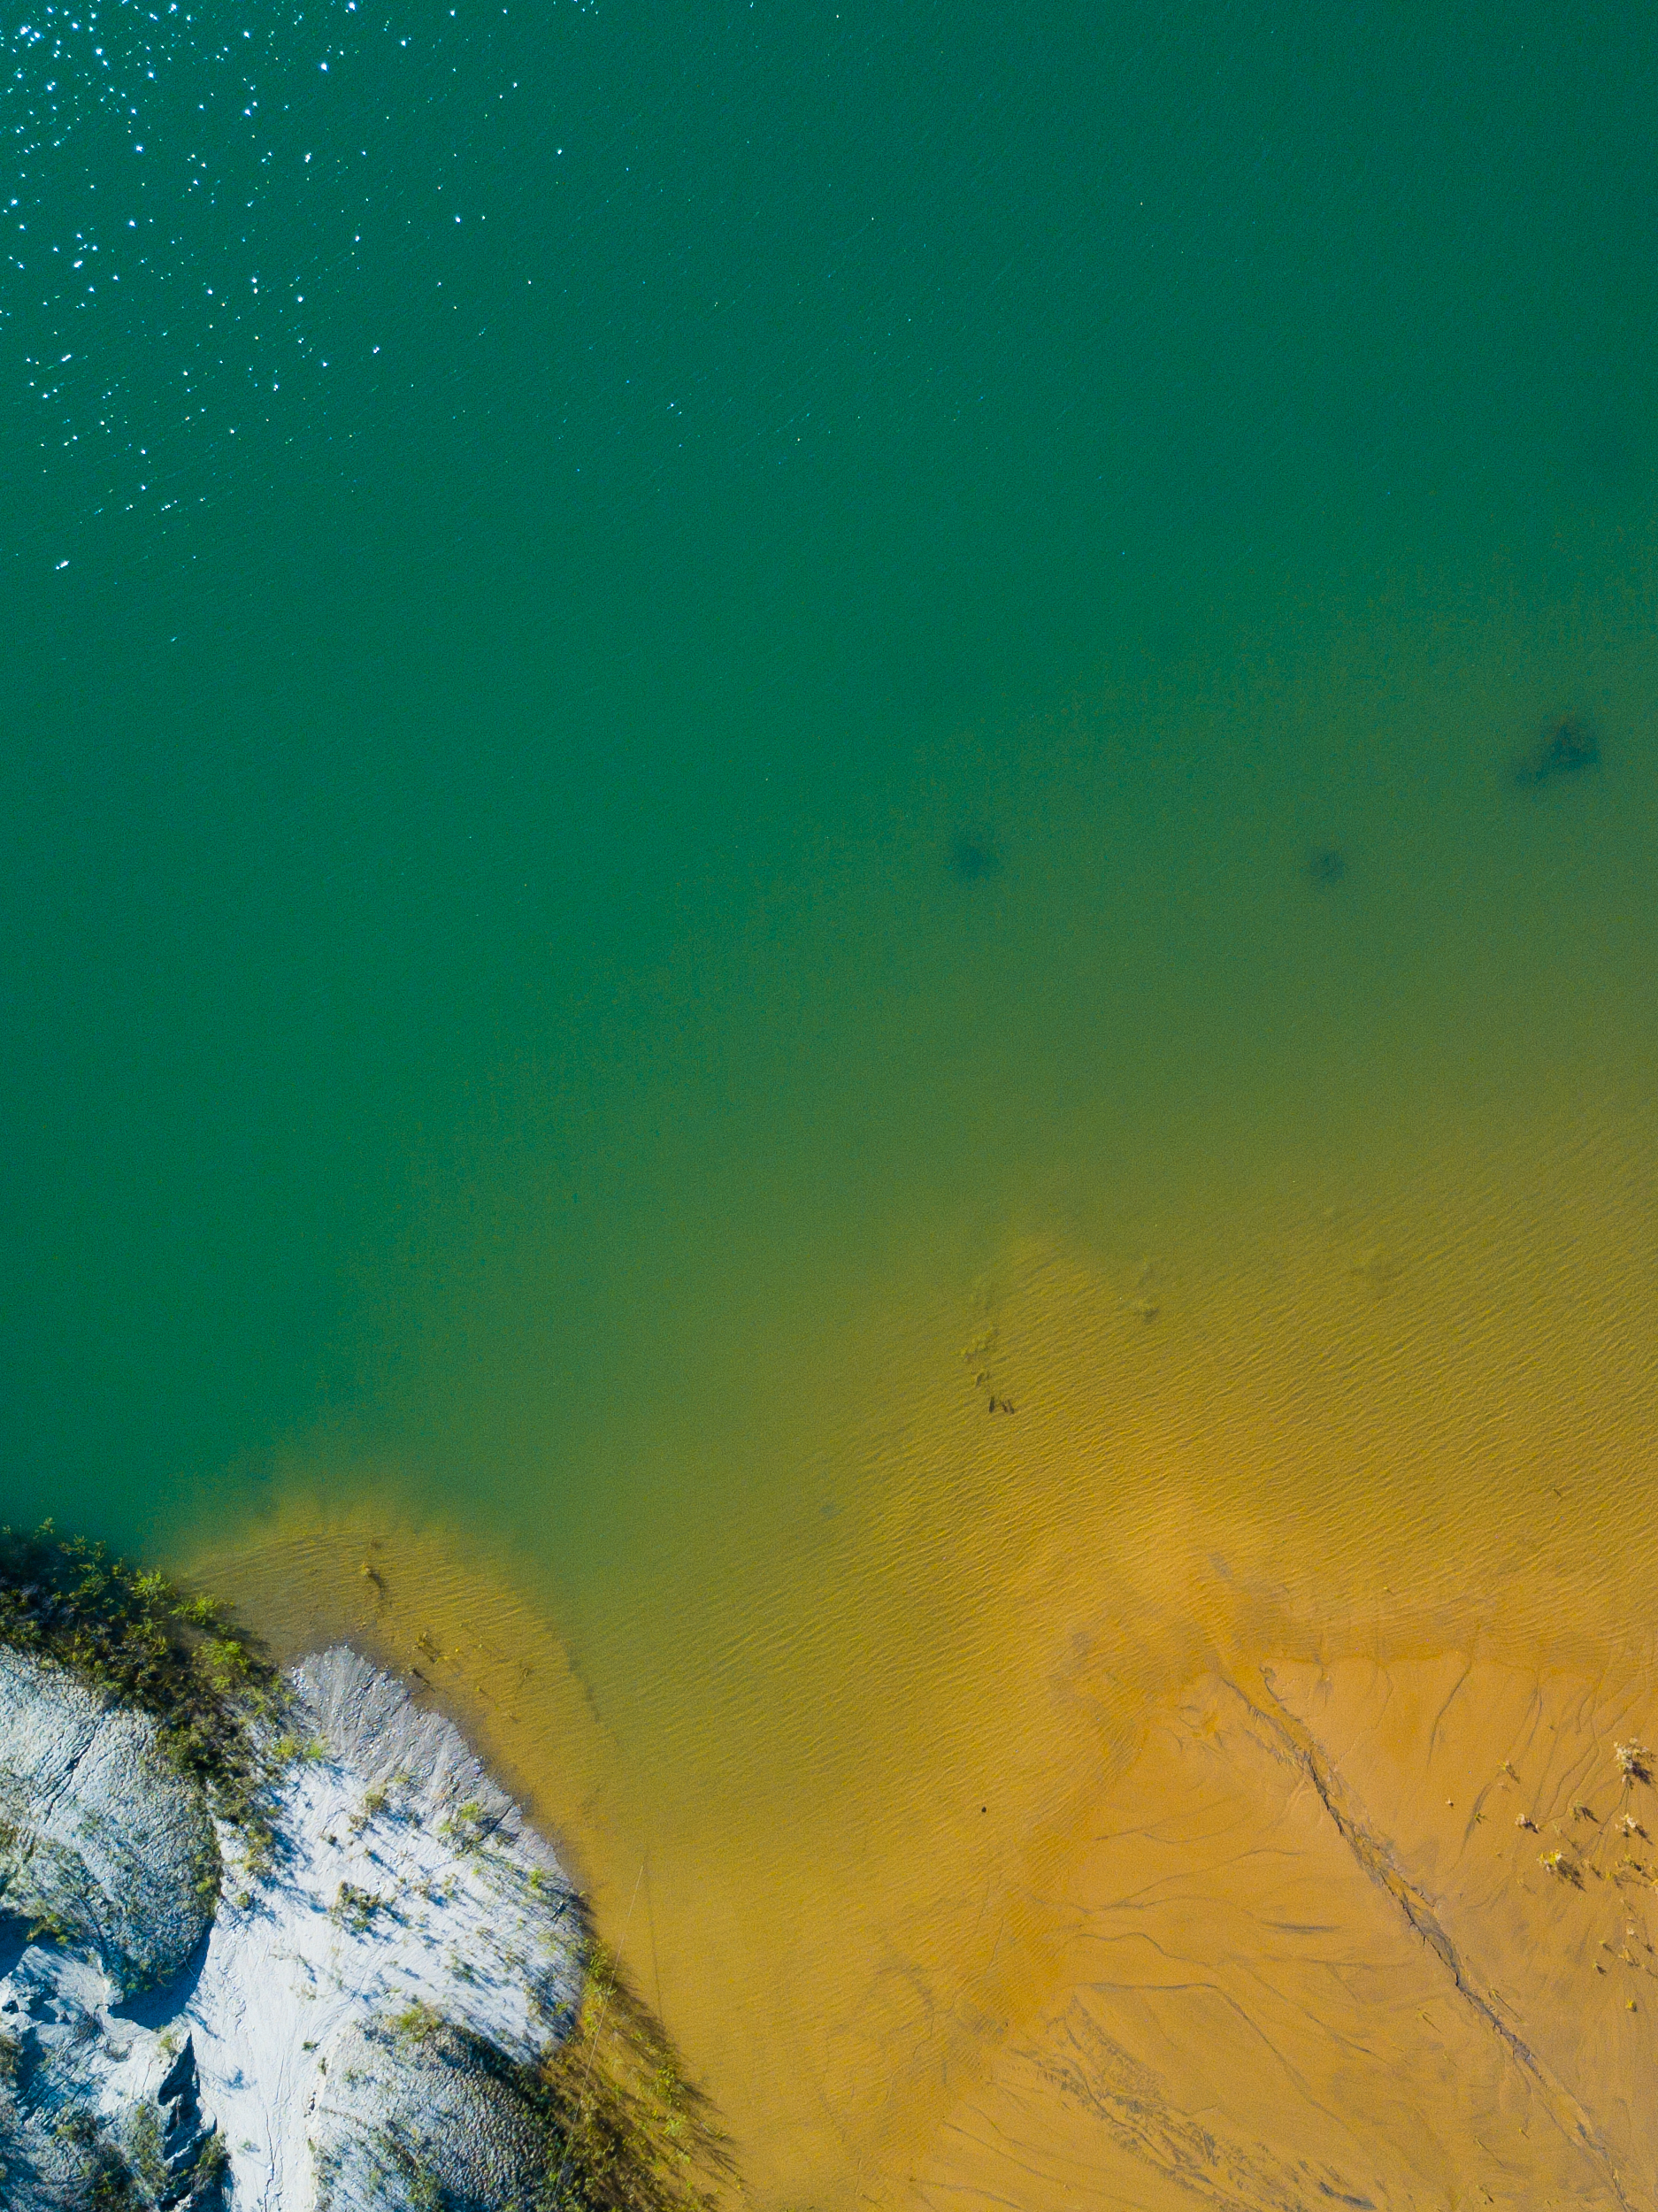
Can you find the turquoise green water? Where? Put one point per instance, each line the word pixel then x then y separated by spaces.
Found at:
pixel 572 516
pixel 666 672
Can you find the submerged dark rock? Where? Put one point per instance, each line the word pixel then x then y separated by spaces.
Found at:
pixel 973 856
pixel 1567 747
pixel 1325 864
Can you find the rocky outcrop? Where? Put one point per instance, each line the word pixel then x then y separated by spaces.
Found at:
pixel 94 2109
pixel 102 1843
pixel 409 2119
pixel 355 2020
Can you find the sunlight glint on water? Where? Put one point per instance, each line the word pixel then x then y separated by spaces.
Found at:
pixel 786 881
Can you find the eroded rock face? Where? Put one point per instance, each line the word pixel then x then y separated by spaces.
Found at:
pixel 94 2109
pixel 352 2026
pixel 101 1840
pixel 414 2116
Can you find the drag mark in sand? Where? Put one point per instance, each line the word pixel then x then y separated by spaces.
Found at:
pixel 1295 1745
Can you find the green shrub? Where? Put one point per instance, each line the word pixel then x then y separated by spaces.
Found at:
pixel 419 2021
pixel 143 1642
pixel 145 2148
pixel 636 2135
pixel 356 1909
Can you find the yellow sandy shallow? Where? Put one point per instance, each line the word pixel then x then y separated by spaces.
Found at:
pixel 1108 1801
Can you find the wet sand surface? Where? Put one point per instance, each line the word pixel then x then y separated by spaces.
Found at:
pixel 1295 1973
pixel 1143 1789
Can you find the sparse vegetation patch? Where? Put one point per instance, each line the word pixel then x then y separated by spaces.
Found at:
pixel 636 2136
pixel 144 1642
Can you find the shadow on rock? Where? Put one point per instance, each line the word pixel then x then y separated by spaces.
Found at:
pixel 154 2007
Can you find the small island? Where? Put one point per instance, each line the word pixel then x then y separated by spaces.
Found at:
pixel 279 1941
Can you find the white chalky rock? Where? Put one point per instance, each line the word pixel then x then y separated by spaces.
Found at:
pixel 348 2028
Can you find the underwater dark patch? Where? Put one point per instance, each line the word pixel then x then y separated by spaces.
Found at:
pixel 973 856
pixel 1325 864
pixel 1567 747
